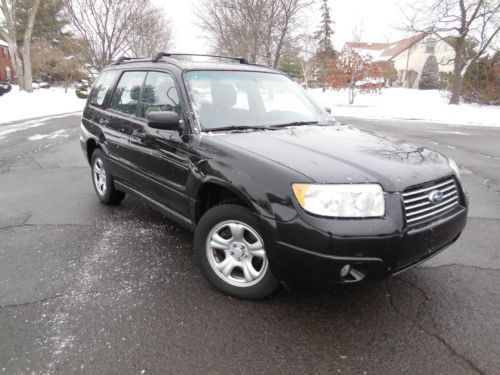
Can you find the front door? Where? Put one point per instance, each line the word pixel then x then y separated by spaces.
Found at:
pixel 162 163
pixel 123 119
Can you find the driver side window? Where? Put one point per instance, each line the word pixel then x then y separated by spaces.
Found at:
pixel 159 94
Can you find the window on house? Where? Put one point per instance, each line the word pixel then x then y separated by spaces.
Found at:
pixel 8 74
pixel 127 93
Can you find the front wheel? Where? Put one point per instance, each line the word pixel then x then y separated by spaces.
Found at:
pixel 103 181
pixel 232 254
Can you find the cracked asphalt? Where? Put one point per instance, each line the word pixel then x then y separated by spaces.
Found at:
pixel 90 289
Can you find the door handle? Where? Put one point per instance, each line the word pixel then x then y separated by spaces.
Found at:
pixel 139 134
pixel 103 122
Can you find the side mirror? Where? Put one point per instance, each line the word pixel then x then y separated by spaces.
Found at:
pixel 164 120
pixel 329 110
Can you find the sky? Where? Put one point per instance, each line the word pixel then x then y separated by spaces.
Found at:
pixel 378 18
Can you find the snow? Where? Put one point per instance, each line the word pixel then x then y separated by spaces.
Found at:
pixel 57 134
pixel 407 104
pixel 19 105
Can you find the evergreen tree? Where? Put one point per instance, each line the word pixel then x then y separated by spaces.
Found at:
pixel 50 24
pixel 429 78
pixel 324 34
pixel 325 54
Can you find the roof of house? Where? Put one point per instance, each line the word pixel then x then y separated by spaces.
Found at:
pixel 2 43
pixel 394 49
pixel 385 51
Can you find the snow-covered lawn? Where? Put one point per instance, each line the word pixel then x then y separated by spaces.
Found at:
pixel 20 105
pixel 406 104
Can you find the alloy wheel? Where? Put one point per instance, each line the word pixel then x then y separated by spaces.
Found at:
pixel 236 253
pixel 99 176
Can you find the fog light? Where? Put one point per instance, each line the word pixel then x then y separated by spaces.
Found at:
pixel 345 270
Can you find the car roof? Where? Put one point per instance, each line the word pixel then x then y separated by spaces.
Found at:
pixel 185 65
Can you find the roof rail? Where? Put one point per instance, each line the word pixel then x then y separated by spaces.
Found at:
pixel 125 58
pixel 159 55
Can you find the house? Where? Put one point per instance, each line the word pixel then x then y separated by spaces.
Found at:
pixel 6 69
pixel 409 55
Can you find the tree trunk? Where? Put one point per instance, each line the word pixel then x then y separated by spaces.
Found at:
pixel 28 78
pixel 18 65
pixel 458 65
pixel 304 71
pixel 456 91
pixel 352 94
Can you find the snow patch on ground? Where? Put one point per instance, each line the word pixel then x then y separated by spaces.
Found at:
pixel 407 104
pixel 53 135
pixel 19 105
pixel 7 129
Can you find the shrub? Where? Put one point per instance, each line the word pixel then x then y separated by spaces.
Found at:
pixel 389 72
pixel 482 81
pixel 5 87
pixel 82 89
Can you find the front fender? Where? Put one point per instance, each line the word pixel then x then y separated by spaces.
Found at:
pixel 262 184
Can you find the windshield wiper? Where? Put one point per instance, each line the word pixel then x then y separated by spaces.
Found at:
pixel 241 127
pixel 295 123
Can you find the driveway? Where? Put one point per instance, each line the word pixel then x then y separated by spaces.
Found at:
pixel 86 288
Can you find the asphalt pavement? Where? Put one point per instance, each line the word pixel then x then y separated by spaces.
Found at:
pixel 91 289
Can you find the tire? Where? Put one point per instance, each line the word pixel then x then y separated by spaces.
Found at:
pixel 231 252
pixel 103 181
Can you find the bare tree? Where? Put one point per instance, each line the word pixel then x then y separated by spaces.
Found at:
pixel 105 26
pixel 153 34
pixel 307 49
pixel 462 24
pixel 21 56
pixel 256 29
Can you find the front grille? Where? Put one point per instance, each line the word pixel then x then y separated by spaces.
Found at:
pixel 419 209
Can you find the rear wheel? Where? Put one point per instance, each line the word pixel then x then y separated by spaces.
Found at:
pixel 232 253
pixel 103 181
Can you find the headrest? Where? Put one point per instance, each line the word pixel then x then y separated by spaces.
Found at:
pixel 223 95
pixel 135 92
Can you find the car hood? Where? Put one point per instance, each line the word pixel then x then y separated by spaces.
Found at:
pixel 343 154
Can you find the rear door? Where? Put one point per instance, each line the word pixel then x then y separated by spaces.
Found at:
pixel 98 116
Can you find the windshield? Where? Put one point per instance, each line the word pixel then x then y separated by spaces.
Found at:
pixel 232 99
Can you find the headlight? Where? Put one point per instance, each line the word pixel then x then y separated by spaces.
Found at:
pixel 341 200
pixel 454 167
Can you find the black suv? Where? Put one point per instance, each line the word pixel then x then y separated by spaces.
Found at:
pixel 273 188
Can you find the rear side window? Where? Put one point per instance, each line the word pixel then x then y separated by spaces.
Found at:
pixel 102 87
pixel 159 94
pixel 126 96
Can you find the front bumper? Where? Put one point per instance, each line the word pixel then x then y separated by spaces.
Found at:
pixel 314 250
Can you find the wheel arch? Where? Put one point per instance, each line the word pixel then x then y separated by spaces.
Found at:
pixel 213 192
pixel 93 144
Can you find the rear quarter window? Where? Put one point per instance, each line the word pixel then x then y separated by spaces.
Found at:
pixel 102 87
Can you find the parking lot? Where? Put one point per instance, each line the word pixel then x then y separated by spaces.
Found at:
pixel 86 288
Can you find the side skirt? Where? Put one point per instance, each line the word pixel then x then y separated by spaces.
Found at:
pixel 164 210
